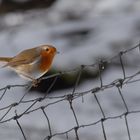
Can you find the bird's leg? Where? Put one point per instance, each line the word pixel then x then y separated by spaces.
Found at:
pixel 35 82
pixel 39 79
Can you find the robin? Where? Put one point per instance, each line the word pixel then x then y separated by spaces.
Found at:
pixel 32 63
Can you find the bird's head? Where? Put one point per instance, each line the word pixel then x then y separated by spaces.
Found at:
pixel 48 50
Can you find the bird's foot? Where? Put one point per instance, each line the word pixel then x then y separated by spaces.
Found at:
pixel 35 82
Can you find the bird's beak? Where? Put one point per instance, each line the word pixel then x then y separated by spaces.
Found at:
pixel 57 52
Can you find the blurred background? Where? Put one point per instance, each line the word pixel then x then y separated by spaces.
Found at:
pixel 84 32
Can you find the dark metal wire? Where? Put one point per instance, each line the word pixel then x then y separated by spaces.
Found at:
pixel 71 97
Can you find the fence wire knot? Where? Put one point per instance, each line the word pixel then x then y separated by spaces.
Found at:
pixel 70 97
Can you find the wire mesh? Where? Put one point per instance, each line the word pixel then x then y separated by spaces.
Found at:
pixel 70 98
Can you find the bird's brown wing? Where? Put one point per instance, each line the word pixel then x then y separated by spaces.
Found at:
pixel 25 57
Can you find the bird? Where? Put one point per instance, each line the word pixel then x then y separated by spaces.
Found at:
pixel 33 63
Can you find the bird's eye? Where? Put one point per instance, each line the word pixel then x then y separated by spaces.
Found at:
pixel 47 49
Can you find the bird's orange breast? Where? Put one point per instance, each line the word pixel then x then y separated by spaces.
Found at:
pixel 46 61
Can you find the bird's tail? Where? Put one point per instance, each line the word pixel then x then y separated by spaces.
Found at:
pixel 4 61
